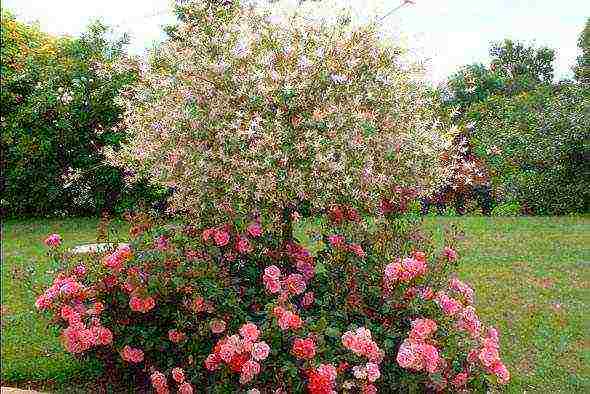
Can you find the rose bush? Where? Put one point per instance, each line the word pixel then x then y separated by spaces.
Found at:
pixel 363 307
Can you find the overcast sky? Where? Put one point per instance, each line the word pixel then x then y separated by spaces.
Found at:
pixel 450 33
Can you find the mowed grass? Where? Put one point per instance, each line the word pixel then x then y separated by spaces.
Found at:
pixel 531 276
pixel 532 281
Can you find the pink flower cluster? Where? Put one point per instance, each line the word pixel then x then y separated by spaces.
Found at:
pixel 469 321
pixel 54 240
pixel 322 379
pixel 294 284
pixel 361 343
pixel 116 260
pixel 78 338
pixel 406 269
pixel 240 352
pixel 369 371
pixel 450 254
pixel 449 305
pixel 463 289
pixel 489 356
pixel 220 235
pixel 64 287
pixel 142 305
pixel 303 349
pixel 287 319
pixel 160 383
pixel 272 279
pixel 132 355
pixel 415 352
pixel 176 336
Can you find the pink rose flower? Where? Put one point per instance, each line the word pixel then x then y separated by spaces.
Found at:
pixel 295 283
pixel 359 372
pixel 328 371
pixel 53 240
pixel 372 372
pixel 289 320
pixel 148 304
pixel 489 356
pixel 394 271
pixel 430 356
pixel 450 254
pixel 158 380
pixel 250 369
pixel 105 336
pixel 303 348
pixel 212 362
pixel 185 388
pixel 221 237
pixel 43 303
pixel 249 332
pixel 501 372
pixel 449 306
pixel 141 305
pixel 414 267
pixel 217 326
pixel 208 234
pixel 272 271
pixel 243 246
pixel 254 230
pixel 178 375
pixel 260 351
pixel 132 355
pixel 422 329
pixel 176 336
pixel 407 356
pixel 273 286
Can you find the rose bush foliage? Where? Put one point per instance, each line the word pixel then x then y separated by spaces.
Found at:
pixel 243 113
pixel 363 305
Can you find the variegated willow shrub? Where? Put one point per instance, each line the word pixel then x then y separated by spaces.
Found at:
pixel 296 152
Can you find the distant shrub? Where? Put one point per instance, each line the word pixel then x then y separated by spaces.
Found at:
pixel 507 209
pixel 536 144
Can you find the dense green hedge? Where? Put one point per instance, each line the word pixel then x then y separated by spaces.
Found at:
pixel 58 110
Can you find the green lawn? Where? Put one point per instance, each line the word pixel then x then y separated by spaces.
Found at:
pixel 531 276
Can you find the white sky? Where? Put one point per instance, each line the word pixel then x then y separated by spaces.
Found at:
pixel 450 33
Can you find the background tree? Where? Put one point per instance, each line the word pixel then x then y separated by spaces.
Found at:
pixel 523 66
pixel 582 68
pixel 58 111
pixel 537 145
